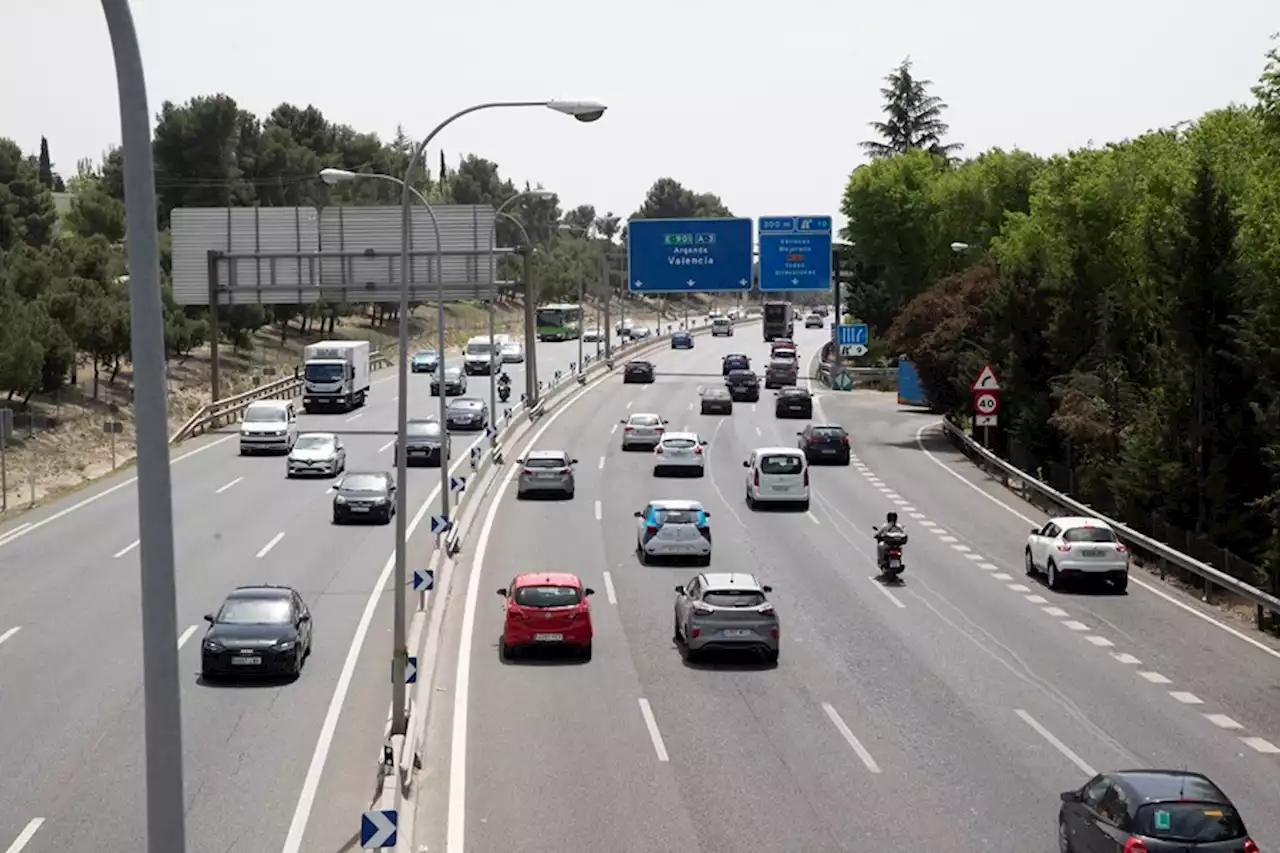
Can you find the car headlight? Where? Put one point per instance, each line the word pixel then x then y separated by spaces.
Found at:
pixel 340 500
pixel 285 645
pixel 380 501
pixel 213 645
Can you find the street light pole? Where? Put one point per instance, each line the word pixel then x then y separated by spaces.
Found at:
pixel 162 710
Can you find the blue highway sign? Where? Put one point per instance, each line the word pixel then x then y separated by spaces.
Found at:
pixel 689 255
pixel 378 829
pixel 439 524
pixel 457 484
pixel 795 253
pixel 852 335
pixel 411 671
pixel 424 580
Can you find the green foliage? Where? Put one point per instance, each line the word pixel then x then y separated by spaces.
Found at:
pixel 1129 296
pixel 913 118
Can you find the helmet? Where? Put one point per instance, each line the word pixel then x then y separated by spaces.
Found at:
pixel 891 518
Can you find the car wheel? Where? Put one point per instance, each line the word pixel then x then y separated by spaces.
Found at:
pixel 506 652
pixel 569 495
pixel 585 651
pixel 1120 582
pixel 288 474
pixel 1064 838
pixel 643 555
pixel 1030 564
pixel 771 656
pixel 704 560
pixel 675 630
pixel 751 504
pixel 1053 578
pixel 337 519
pixel 804 505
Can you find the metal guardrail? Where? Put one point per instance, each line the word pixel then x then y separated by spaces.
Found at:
pixel 222 412
pixel 1267 607
pixel 864 374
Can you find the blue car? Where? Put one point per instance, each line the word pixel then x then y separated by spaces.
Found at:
pixel 682 340
pixel 424 361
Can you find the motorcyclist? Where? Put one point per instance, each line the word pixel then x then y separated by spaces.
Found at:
pixel 504 386
pixel 891 530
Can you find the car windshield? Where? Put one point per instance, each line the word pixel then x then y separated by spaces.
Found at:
pixel 732 598
pixel 639 365
pixel 475 348
pixel 313 442
pixel 644 420
pixel 363 483
pixel 547 596
pixel 676 516
pixel 678 443
pixel 465 403
pixel 829 432
pixel 425 355
pixel 1196 823
pixel 718 393
pixel 546 462
pixel 743 375
pixel 422 428
pixel 254 611
pixel 1089 534
pixel 511 347
pixel 794 392
pixel 721 321
pixel 781 464
pixel 263 416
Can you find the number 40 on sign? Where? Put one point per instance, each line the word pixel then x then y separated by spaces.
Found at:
pixel 986 397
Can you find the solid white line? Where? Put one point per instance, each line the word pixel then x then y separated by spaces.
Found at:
pixel 270 545
pixel 651 723
pixel 25 836
pixel 609 592
pixel 1261 745
pixel 227 486
pixel 601 465
pixel 186 635
pixel 1186 698
pixel 13 534
pixel 1057 744
pixel 1222 721
pixel 813 518
pixel 7 634
pixel 888 594
pixel 599 513
pixel 1156 678
pixel 384 448
pixel 125 550
pixel 1257 644
pixel 357 416
pixel 849 737
pixel 613 429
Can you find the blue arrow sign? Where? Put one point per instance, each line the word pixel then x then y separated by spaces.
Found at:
pixel 491 431
pixel 476 451
pixel 457 484
pixel 795 253
pixel 411 671
pixel 439 524
pixel 424 580
pixel 689 255
pixel 378 829
pixel 852 335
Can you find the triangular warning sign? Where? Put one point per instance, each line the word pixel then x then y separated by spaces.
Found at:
pixel 986 381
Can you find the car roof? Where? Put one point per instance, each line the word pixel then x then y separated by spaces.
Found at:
pixel 1070 522
pixel 547 454
pixel 794 392
pixel 737 355
pixel 679 332
pixel 1154 786
pixel 547 579
pixel 676 504
pixel 731 580
pixel 640 361
pixel 270 404
pixel 644 415
pixel 466 401
pixel 714 391
pixel 386 475
pixel 264 590
pixel 689 436
pixel 327 436
pixel 779 451
pixel 828 426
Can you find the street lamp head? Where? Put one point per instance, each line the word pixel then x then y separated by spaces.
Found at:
pixel 583 111
pixel 337 176
pixel 539 194
pixel 959 247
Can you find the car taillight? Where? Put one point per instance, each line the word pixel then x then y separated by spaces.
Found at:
pixel 756 481
pixel 844 440
pixel 806 478
pixel 813 439
pixel 562 470
pixel 773 632
pixel 1064 547
pixel 658 450
pixel 1135 845
pixel 1250 846
pixel 695 632
pixel 628 428
pixel 528 471
pixel 1120 549
pixel 697 451
pixel 660 429
pixel 651 530
pixel 705 531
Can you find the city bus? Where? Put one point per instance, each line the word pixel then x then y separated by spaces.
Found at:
pixel 559 322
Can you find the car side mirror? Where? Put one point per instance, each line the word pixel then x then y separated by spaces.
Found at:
pixel 503 592
pixel 573 461
pixel 746 464
pixel 520 461
pixel 800 433
pixel 622 422
pixel 1035 531
pixel 1071 796
pixel 588 591
pixel 666 421
pixel 638 514
pixel 707 514
pixel 305 617
pixel 766 588
pixel 680 588
pixel 208 617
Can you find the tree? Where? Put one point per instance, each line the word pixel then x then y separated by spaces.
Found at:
pixel 913 118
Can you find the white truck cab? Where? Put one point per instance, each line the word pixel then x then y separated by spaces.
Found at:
pixel 335 375
pixel 268 426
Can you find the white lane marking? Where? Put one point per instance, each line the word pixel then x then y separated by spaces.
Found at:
pixel 1036 599
pixel 600 467
pixel 8 634
pixel 753 407
pixel 990 567
pixel 1100 642
pixel 25 836
pixel 1222 721
pixel 917 515
pixel 186 635
pixel 357 416
pixel 977 558
pixel 758 431
pixel 265 548
pixel 1055 612
pixel 387 446
pixel 395 398
pixel 908 508
pixel 849 737
pixel 891 494
pixel 125 550
pixel 887 592
pixel 1155 678
pixel 885 490
pixel 598 511
pixel 962 549
pixel 1126 658
pixel 13 533
pixel 629 403
pixel 948 538
pixel 651 723
pixel 1018 587
pixel 900 503
pixel 691 406
pixel 1257 644
pixel 1055 743
pixel 1186 698
pixel 609 592
pixel 812 517
pixel 222 489
pixel 1001 576
pixel 613 429
pixel 1261 745
pixel 1076 626
pixel 24 530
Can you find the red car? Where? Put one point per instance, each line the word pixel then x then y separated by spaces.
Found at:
pixel 546 609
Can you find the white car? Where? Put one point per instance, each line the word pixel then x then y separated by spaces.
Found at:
pixel 316 453
pixel 673 528
pixel 639 333
pixel 268 426
pixel 722 327
pixel 679 452
pixel 642 429
pixel 1080 547
pixel 593 335
pixel 512 352
pixel 777 475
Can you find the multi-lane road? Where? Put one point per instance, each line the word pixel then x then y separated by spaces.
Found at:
pixel 260 760
pixel 947 713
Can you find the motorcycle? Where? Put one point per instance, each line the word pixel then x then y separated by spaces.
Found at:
pixel 504 393
pixel 891 564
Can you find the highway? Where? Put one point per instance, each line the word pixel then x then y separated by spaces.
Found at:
pixel 71 728
pixel 947 713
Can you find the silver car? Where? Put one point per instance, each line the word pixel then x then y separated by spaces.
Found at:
pixel 455 383
pixel 643 429
pixel 726 611
pixel 673 528
pixel 467 413
pixel 423 441
pixel 546 472
pixel 316 453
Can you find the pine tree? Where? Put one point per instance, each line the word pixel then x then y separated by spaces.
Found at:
pixel 914 118
pixel 46 165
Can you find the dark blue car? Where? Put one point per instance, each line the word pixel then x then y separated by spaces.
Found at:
pixel 682 340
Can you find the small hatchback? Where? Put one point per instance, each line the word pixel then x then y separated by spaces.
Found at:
pixel 673 528
pixel 680 453
pixel 546 472
pixel 726 611
pixel 681 340
pixel 1079 547
pixel 777 475
pixel 546 609
pixel 825 443
pixel 643 429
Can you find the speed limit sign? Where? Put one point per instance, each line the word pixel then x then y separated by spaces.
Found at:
pixel 986 403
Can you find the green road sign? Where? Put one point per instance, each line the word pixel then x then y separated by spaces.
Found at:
pixel 842 380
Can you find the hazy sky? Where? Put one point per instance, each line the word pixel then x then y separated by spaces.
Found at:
pixel 763 103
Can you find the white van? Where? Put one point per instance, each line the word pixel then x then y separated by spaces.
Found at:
pixel 777 475
pixel 721 327
pixel 268 426
pixel 481 356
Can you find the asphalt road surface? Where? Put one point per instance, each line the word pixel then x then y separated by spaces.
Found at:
pixel 947 713
pixel 71 705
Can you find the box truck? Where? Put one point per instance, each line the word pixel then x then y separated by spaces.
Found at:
pixel 335 375
pixel 779 322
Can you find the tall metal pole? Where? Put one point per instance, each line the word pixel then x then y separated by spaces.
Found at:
pixel 607 297
pixel 530 329
pixel 582 307
pixel 836 359
pixel 501 213
pixel 166 804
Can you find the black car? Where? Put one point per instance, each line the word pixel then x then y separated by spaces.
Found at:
pixel 467 414
pixel 716 401
pixel 780 373
pixel 638 371
pixel 455 382
pixel 734 361
pixel 825 443
pixel 743 386
pixel 258 630
pixel 793 403
pixel 423 441
pixel 366 496
pixel 1155 811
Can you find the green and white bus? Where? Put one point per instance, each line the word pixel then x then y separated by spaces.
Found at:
pixel 559 322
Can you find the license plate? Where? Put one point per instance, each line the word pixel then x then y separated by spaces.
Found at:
pixel 359 509
pixel 782 488
pixel 738 632
pixel 828 450
pixel 246 661
pixel 1092 552
pixel 895 564
pixel 547 476
pixel 549 638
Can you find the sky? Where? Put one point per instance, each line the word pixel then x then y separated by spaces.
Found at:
pixel 762 103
